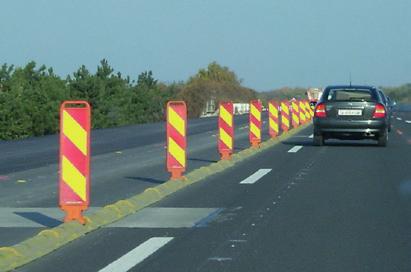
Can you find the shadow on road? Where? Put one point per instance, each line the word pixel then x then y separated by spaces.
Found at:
pixel 351 143
pixel 145 179
pixel 354 143
pixel 40 219
pixel 201 160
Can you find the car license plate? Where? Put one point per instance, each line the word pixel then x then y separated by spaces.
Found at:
pixel 350 112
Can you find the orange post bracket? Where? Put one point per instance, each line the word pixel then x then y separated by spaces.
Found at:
pixel 225 155
pixel 176 173
pixel 74 213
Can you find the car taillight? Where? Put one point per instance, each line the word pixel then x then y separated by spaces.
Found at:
pixel 320 111
pixel 379 111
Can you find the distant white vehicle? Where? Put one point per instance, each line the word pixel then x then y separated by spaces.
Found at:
pixel 241 108
pixel 212 110
pixel 314 94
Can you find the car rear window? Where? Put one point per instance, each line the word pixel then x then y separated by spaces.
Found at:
pixel 351 95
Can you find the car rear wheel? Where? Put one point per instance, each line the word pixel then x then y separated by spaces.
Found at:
pixel 318 140
pixel 383 139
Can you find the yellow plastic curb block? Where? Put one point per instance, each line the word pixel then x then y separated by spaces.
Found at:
pixel 189 181
pixel 39 245
pixel 108 215
pixel 7 265
pixel 181 183
pixel 164 190
pixel 215 167
pixel 125 206
pixel 155 192
pixel 248 152
pixel 49 233
pixel 194 177
pixel 172 186
pixel 226 163
pixel 236 158
pixel 114 208
pixel 265 145
pixel 140 200
pixel 205 170
pixel 112 213
pixel 9 251
pixel 95 220
pixel 202 171
pixel 143 199
pixel 168 188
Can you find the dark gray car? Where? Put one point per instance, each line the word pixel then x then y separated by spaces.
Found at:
pixel 351 112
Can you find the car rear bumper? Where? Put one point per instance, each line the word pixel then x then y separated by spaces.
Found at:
pixel 357 128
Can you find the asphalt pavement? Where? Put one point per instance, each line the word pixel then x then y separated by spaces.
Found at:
pixel 345 206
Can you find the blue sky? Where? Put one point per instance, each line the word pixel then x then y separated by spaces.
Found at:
pixel 269 43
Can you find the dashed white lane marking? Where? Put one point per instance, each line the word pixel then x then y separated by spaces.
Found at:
pixel 301 136
pixel 399 118
pixel 408 121
pixel 295 149
pixel 311 136
pixel 256 176
pixel 137 255
pixel 220 259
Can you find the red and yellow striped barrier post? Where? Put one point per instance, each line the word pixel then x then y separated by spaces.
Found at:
pixel 255 123
pixel 274 128
pixel 176 138
pixel 285 116
pixel 307 110
pixel 74 181
pixel 303 118
pixel 226 130
pixel 310 110
pixel 295 114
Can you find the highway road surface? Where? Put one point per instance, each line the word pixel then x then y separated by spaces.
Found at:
pixel 345 206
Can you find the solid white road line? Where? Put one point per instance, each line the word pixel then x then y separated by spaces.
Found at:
pixel 137 255
pixel 295 149
pixel 408 121
pixel 256 176
pixel 399 118
pixel 311 136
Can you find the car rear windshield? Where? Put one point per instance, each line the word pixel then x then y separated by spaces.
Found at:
pixel 366 95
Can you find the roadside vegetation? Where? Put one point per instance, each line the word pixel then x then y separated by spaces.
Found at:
pixel 284 94
pixel 401 94
pixel 30 96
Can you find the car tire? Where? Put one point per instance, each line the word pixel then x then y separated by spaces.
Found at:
pixel 383 139
pixel 318 140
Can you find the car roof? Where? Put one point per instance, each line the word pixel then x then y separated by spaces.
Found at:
pixel 351 87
